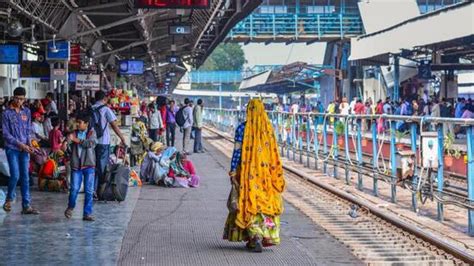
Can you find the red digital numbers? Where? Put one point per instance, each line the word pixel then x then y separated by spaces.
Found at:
pixel 172 3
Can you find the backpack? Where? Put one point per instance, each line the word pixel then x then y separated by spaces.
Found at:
pixel 95 121
pixel 115 183
pixel 180 120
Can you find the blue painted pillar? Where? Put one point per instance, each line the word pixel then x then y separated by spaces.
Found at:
pixel 300 137
pixel 293 136
pixel 360 184
pixel 346 146
pixel 308 139
pixel 415 175
pixel 470 176
pixel 393 161
pixel 325 146
pixel 316 142
pixel 375 158
pixel 440 168
pixel 396 78
pixel 336 149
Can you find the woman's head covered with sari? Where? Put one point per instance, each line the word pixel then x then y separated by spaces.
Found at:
pixel 261 172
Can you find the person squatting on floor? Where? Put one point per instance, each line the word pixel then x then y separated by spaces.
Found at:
pixel 16 125
pixel 255 203
pixel 81 146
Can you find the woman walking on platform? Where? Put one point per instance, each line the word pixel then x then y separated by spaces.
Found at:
pixel 256 175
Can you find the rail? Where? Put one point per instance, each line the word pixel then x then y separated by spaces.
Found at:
pixel 316 136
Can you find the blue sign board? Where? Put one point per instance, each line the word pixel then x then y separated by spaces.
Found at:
pixel 58 51
pixel 131 67
pixel 10 54
pixel 72 76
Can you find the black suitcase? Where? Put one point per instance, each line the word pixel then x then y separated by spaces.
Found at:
pixel 115 185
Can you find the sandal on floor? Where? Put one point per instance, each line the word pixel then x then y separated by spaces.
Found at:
pixel 7 206
pixel 88 218
pixel 68 213
pixel 30 210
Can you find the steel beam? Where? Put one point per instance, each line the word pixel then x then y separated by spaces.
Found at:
pixel 113 24
pixel 114 14
pixel 100 6
pixel 131 46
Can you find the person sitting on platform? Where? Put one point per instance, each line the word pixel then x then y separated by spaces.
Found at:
pixel 149 169
pixel 182 172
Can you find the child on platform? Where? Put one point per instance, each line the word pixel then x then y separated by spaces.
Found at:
pixel 82 144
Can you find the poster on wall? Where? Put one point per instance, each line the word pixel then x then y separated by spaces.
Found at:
pixel 87 82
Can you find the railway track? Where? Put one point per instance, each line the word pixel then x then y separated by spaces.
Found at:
pixel 373 237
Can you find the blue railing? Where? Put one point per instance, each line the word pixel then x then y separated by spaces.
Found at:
pixel 299 25
pixel 338 140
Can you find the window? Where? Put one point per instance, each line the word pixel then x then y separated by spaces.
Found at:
pixel 273 9
pixel 320 9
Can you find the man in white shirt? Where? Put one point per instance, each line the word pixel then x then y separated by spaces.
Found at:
pixel 188 118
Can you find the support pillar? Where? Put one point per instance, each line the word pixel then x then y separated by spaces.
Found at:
pixel 393 161
pixel 440 169
pixel 470 176
pixel 396 78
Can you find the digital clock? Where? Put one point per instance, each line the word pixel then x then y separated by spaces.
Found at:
pixel 177 4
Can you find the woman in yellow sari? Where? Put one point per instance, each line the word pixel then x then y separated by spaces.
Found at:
pixel 255 203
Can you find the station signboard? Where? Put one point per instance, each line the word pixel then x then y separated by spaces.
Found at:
pixel 179 29
pixel 173 59
pixel 172 4
pixel 75 60
pixel 35 69
pixel 88 82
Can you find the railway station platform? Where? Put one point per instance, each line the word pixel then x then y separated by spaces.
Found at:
pixel 159 226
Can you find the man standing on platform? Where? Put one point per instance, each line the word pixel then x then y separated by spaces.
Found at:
pixel 197 117
pixel 188 124
pixel 171 123
pixel 16 124
pixel 102 116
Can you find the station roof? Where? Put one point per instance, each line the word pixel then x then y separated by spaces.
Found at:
pixel 448 30
pixel 294 77
pixel 115 29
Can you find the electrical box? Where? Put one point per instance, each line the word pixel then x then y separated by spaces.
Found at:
pixel 405 164
pixel 429 150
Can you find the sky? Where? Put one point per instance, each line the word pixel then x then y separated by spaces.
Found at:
pixel 281 54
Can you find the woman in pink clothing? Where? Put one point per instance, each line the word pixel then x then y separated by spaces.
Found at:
pixel 183 172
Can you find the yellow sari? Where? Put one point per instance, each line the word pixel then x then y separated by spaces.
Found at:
pixel 261 182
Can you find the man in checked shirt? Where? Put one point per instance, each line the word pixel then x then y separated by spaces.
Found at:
pixel 16 123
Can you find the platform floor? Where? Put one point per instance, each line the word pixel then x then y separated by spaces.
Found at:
pixel 159 226
pixel 184 227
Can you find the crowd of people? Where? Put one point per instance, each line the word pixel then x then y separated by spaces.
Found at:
pixel 37 141
pixel 424 106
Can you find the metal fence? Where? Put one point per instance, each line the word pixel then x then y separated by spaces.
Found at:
pixel 338 140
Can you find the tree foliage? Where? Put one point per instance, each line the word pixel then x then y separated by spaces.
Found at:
pixel 228 56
